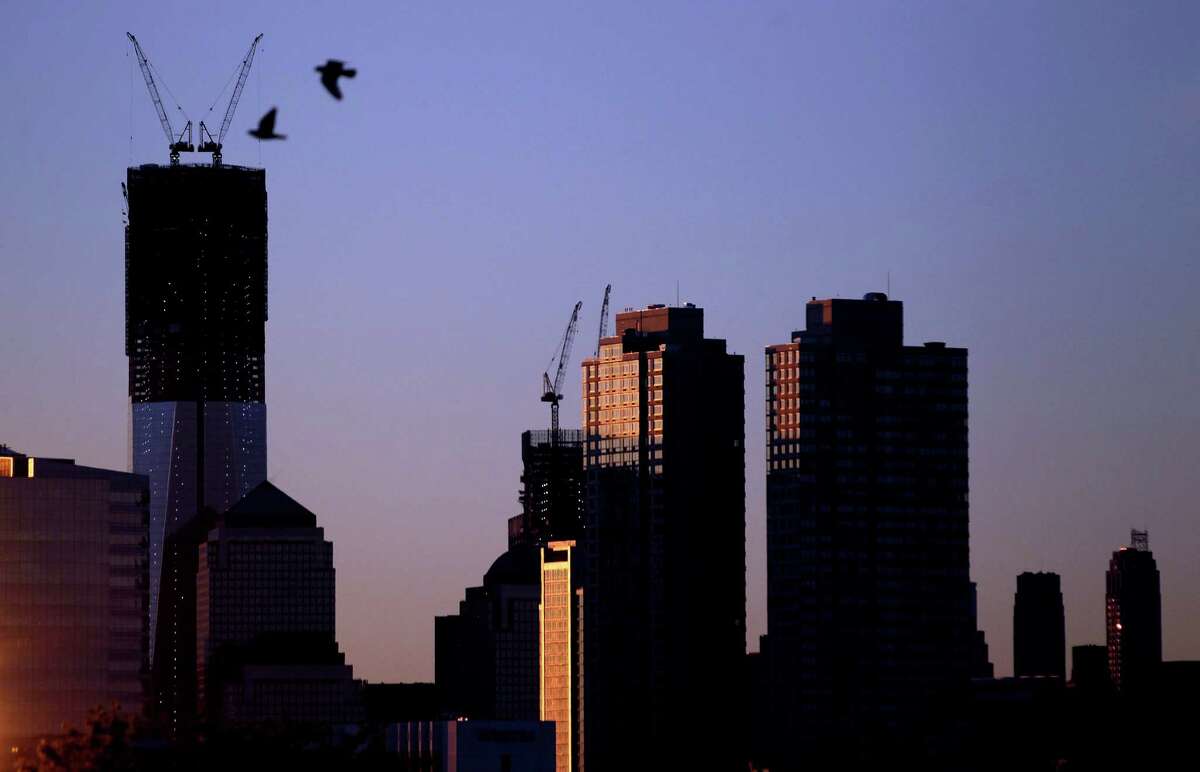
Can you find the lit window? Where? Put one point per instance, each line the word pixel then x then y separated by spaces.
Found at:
pixel 6 466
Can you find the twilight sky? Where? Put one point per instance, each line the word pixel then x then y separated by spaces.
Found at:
pixel 1027 172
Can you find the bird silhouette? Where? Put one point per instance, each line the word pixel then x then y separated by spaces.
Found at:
pixel 266 127
pixel 331 71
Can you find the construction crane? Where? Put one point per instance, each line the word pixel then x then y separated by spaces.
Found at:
pixel 214 145
pixel 551 389
pixel 175 144
pixel 603 318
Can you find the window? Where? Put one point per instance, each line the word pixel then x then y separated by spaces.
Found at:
pixel 6 466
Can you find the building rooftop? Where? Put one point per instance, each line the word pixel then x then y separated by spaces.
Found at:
pixel 268 507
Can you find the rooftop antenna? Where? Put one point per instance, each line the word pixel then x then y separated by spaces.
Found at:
pixel 677 292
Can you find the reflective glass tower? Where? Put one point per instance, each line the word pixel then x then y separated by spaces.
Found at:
pixel 195 317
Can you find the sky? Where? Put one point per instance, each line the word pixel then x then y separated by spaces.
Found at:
pixel 1022 175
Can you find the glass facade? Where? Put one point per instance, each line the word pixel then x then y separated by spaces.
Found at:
pixel 73 581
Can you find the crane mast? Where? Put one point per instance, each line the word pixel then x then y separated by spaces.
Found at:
pixel 175 145
pixel 214 145
pixel 551 388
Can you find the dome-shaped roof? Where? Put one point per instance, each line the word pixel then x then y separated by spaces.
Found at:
pixel 519 565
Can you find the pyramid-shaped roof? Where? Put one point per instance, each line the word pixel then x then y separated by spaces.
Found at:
pixel 268 507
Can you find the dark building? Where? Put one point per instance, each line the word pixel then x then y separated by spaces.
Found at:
pixel 664 558
pixel 1089 667
pixel 1039 626
pixel 1133 615
pixel 486 656
pixel 869 599
pixel 471 746
pixel 73 592
pixel 551 488
pixel 195 315
pixel 265 636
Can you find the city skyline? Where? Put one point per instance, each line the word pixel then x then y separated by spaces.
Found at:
pixel 1079 419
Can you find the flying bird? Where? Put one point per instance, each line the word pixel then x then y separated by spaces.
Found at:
pixel 266 127
pixel 330 72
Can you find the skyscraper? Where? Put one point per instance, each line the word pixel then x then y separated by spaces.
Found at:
pixel 72 592
pixel 1133 615
pixel 869 599
pixel 266 644
pixel 664 543
pixel 1039 627
pixel 195 314
pixel 551 488
pixel 486 657
pixel 561 613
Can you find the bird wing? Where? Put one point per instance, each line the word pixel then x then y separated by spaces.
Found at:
pixel 267 124
pixel 329 80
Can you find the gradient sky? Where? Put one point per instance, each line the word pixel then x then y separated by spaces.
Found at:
pixel 1026 172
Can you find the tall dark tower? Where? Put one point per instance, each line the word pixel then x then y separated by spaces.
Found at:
pixel 1039 637
pixel 869 598
pixel 1133 613
pixel 195 317
pixel 664 592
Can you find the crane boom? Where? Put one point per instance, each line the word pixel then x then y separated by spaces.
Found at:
pixel 551 388
pixel 237 90
pixel 603 318
pixel 174 144
pixel 214 145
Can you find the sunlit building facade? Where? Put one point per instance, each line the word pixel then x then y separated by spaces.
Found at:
pixel 73 592
pixel 195 314
pixel 561 632
pixel 664 561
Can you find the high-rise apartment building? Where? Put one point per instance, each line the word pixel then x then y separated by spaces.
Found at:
pixel 1039 626
pixel 561 631
pixel 869 600
pixel 663 544
pixel 73 592
pixel 1133 615
pixel 486 657
pixel 195 316
pixel 551 488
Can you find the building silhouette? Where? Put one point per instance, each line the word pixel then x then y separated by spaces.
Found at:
pixel 1133 615
pixel 73 592
pixel 266 642
pixel 870 604
pixel 1089 666
pixel 249 620
pixel 486 657
pixel 663 544
pixel 551 488
pixel 1039 626
pixel 195 314
pixel 561 644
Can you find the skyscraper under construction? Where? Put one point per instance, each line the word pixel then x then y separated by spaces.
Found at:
pixel 195 317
